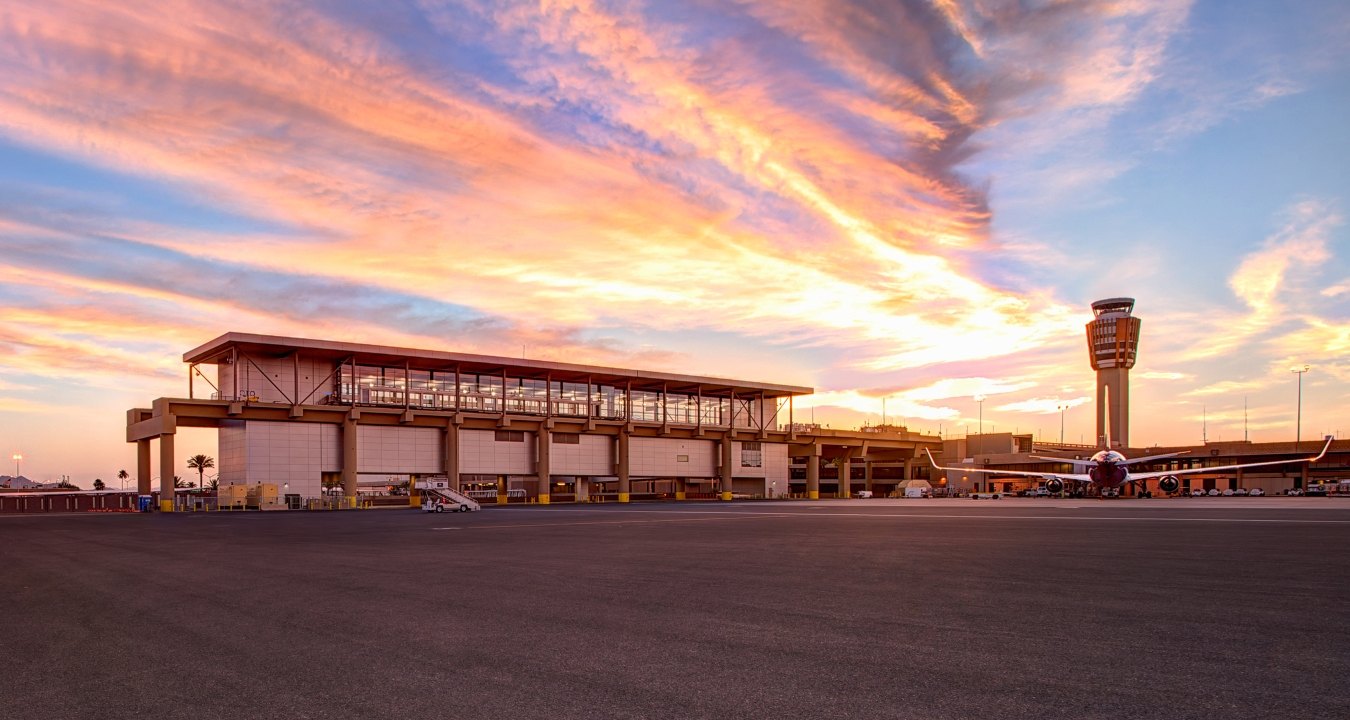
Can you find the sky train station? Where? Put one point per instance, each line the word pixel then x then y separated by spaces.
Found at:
pixel 312 414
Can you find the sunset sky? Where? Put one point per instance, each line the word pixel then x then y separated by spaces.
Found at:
pixel 914 200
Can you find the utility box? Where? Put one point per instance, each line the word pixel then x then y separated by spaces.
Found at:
pixel 263 496
pixel 232 497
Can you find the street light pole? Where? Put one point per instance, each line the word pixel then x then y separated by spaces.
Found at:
pixel 1061 424
pixel 980 399
pixel 1298 432
pixel 17 458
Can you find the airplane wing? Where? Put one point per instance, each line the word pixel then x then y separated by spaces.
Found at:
pixel 1043 475
pixel 1072 461
pixel 1086 463
pixel 1161 473
pixel 1147 458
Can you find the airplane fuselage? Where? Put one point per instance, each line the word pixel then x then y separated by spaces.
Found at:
pixel 1109 475
pixel 1109 470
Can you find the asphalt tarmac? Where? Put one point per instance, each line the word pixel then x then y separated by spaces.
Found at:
pixel 1222 608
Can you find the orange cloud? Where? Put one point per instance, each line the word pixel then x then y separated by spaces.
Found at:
pixel 799 186
pixel 552 244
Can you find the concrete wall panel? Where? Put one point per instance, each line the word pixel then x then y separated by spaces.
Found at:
pixel 593 456
pixel 282 453
pixel 398 450
pixel 672 458
pixel 233 461
pixel 776 467
pixel 481 453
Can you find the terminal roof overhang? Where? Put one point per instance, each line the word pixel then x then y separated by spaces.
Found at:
pixel 217 350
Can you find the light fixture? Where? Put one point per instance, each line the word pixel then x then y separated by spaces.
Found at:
pixel 1298 431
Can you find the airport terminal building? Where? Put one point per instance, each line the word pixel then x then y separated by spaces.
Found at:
pixel 317 416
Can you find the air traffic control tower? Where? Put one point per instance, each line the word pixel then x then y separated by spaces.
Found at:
pixel 1113 342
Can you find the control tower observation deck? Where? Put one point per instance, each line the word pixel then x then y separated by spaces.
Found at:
pixel 1113 343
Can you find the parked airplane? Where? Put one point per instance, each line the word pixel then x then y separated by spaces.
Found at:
pixel 1110 469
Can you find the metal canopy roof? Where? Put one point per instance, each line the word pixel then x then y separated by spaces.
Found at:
pixel 275 346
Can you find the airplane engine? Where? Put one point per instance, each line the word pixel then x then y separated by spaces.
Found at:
pixel 1168 483
pixel 1054 486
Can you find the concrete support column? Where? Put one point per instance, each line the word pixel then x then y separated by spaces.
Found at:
pixel 542 466
pixel 502 497
pixel 452 455
pixel 724 477
pixel 1121 417
pixel 1113 406
pixel 813 473
pixel 867 475
pixel 909 469
pixel 143 473
pixel 349 460
pixel 681 488
pixel 621 468
pixel 1099 441
pixel 166 468
pixel 845 476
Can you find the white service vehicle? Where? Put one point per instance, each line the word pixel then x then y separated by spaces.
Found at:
pixel 437 504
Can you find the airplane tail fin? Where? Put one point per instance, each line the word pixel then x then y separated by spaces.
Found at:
pixel 1325 448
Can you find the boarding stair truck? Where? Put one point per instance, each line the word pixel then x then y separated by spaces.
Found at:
pixel 438 496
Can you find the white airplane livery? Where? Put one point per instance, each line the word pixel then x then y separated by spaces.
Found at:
pixel 1110 469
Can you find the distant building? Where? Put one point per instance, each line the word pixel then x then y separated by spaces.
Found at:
pixel 17 483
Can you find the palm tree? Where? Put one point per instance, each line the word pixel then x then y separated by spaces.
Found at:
pixel 123 475
pixel 98 484
pixel 200 463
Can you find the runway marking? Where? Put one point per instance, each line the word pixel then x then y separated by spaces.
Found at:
pixel 731 514
pixel 15 516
